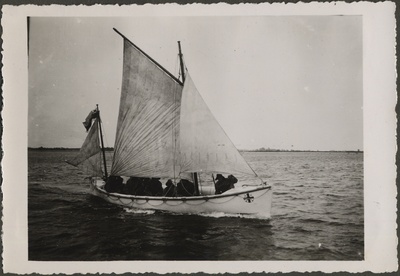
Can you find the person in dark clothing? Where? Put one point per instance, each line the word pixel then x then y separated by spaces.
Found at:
pixel 224 184
pixel 155 187
pixel 185 188
pixel 144 186
pixel 233 180
pixel 170 190
pixel 220 184
pixel 114 184
pixel 134 186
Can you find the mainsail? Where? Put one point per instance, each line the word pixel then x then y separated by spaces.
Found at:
pixel 148 121
pixel 204 146
pixel 89 156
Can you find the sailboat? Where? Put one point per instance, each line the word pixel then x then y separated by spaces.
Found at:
pixel 166 132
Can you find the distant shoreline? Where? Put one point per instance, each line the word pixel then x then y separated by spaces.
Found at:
pixel 257 150
pixel 349 151
pixel 60 148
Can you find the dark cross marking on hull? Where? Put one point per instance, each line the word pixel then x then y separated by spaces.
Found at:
pixel 248 198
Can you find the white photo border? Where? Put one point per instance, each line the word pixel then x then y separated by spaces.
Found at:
pixel 379 74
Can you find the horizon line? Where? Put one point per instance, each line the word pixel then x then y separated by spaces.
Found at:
pixel 242 150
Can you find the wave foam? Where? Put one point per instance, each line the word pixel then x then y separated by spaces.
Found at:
pixel 139 211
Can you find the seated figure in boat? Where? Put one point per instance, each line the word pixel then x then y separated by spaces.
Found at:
pixel 134 186
pixel 224 184
pixel 170 190
pixel 154 187
pixel 185 188
pixel 114 184
pixel 144 186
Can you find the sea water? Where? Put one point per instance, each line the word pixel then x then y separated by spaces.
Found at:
pixel 317 214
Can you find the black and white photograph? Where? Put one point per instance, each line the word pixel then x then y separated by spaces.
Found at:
pixel 183 134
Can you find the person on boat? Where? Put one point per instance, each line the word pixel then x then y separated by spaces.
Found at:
pixel 170 190
pixel 145 187
pixel 224 184
pixel 233 180
pixel 185 188
pixel 155 187
pixel 114 184
pixel 134 186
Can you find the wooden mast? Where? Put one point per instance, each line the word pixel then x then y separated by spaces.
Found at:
pixel 102 143
pixel 181 62
pixel 195 176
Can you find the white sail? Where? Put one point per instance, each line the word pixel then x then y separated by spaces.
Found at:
pixel 204 146
pixel 89 156
pixel 148 121
pixel 165 130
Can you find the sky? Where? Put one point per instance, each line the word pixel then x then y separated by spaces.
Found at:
pixel 279 82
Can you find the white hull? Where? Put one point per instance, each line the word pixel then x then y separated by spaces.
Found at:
pixel 254 201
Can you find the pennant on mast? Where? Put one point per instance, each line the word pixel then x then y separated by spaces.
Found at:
pixel 88 121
